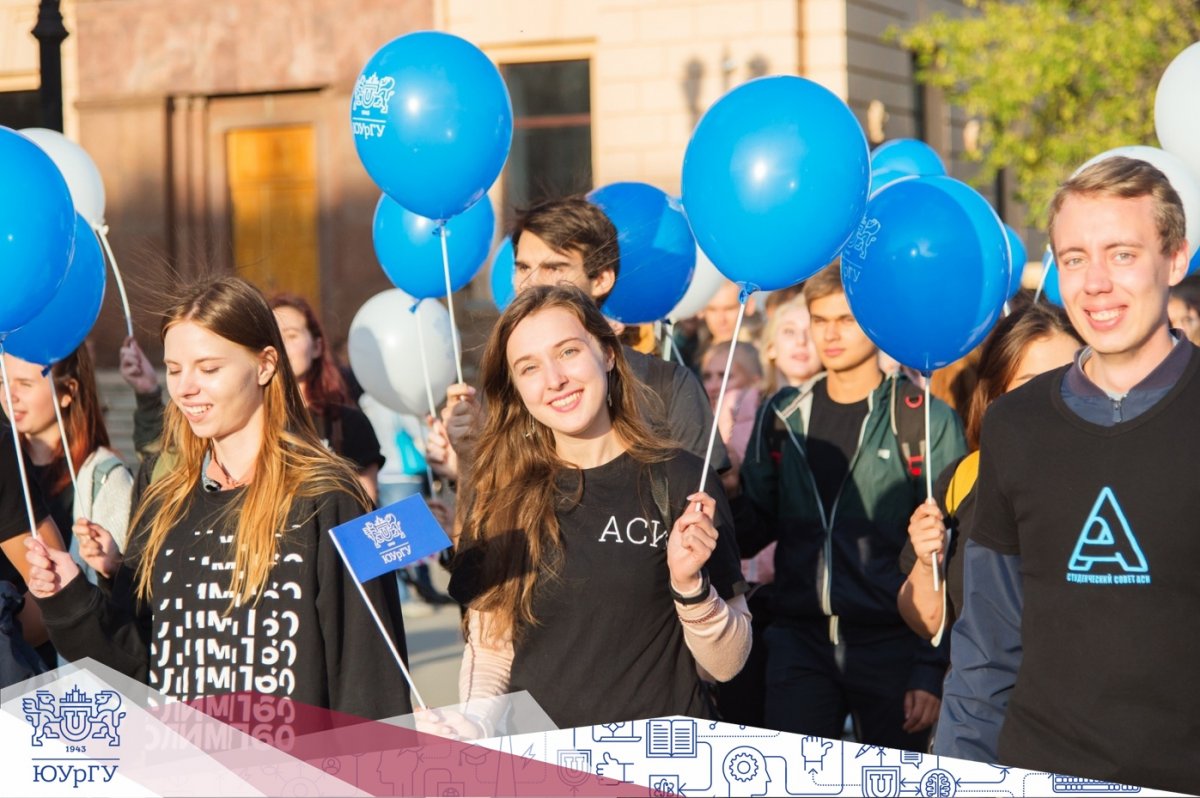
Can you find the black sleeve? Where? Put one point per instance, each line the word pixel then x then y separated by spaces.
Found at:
pixel 109 626
pixel 690 417
pixel 13 518
pixel 147 422
pixel 359 443
pixel 725 563
pixel 364 679
pixel 993 523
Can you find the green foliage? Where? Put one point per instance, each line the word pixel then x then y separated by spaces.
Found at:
pixel 1052 82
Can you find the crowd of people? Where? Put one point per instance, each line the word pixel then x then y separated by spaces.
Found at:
pixel 1031 611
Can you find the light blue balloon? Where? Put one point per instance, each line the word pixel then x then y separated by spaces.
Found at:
pixel 409 247
pixel 37 229
pixel 1194 264
pixel 908 157
pixel 503 264
pixel 927 271
pixel 1050 289
pixel 775 181
pixel 658 252
pixel 65 321
pixel 432 122
pixel 1019 256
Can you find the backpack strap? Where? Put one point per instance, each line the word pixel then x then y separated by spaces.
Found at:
pixel 100 475
pixel 163 465
pixel 661 493
pixel 962 482
pixel 908 422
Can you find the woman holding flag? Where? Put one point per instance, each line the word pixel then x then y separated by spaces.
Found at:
pixel 229 550
pixel 595 576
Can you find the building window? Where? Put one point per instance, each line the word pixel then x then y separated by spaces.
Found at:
pixel 552 132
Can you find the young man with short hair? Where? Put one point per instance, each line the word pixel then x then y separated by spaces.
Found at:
pixel 1076 650
pixel 826 476
pixel 571 240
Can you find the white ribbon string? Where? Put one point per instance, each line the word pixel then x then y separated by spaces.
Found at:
pixel 16 436
pixel 712 435
pixel 432 404
pixel 112 261
pixel 62 432
pixel 450 304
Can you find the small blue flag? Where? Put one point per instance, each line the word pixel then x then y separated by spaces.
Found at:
pixel 389 538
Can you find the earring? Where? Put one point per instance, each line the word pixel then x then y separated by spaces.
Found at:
pixel 529 432
pixel 610 389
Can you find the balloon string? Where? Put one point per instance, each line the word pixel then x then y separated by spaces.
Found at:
pixel 435 490
pixel 112 260
pixel 712 435
pixel 450 304
pixel 1042 282
pixel 928 466
pixel 432 405
pixel 17 445
pixel 668 330
pixel 62 433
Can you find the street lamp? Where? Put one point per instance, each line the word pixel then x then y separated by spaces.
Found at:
pixel 50 33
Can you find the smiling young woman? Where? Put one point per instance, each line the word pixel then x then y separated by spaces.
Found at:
pixel 595 576
pixel 236 529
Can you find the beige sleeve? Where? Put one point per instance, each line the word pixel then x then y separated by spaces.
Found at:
pixel 487 665
pixel 718 634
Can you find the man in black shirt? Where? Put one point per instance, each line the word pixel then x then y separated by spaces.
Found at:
pixel 572 241
pixel 1076 650
pixel 825 477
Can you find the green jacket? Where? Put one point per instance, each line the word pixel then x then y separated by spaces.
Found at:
pixel 846 565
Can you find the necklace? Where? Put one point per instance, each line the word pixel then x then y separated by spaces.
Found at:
pixel 229 480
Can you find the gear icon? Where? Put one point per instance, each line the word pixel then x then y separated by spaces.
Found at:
pixel 743 767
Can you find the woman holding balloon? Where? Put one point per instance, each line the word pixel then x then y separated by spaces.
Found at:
pixel 595 576
pixel 237 528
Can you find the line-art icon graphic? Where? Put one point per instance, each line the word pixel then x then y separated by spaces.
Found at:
pixel 671 738
pixel 938 783
pixel 664 786
pixel 881 781
pixel 615 733
pixel 745 771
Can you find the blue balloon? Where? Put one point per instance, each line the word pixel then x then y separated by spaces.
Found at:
pixel 1050 289
pixel 775 181
pixel 409 247
pixel 432 122
pixel 908 157
pixel 503 264
pixel 926 273
pixel 37 229
pixel 67 319
pixel 885 177
pixel 658 252
pixel 1195 263
pixel 1019 256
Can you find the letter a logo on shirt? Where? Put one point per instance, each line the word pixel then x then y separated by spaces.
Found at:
pixel 1107 538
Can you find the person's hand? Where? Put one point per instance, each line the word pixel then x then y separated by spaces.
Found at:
pixel 438 452
pixel 463 418
pixel 920 710
pixel 97 547
pixel 927 532
pixel 442 512
pixel 136 368
pixel 448 723
pixel 50 570
pixel 692 541
pixel 814 749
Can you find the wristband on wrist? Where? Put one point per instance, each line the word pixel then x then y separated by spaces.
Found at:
pixel 696 599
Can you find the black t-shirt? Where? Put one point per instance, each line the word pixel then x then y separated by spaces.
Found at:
pixel 1104 521
pixel 348 432
pixel 310 637
pixel 609 645
pixel 833 433
pixel 13 518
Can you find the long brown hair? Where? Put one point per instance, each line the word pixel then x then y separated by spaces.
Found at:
pixel 323 383
pixel 1000 355
pixel 291 464
pixel 83 417
pixel 512 490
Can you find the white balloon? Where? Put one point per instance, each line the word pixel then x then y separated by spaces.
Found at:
pixel 705 282
pixel 386 358
pixel 1176 112
pixel 82 176
pixel 1183 180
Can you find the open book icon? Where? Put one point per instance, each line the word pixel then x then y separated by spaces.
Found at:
pixel 671 738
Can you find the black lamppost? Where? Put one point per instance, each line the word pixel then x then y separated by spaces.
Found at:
pixel 50 33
